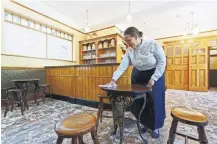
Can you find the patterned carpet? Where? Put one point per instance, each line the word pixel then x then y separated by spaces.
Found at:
pixel 37 124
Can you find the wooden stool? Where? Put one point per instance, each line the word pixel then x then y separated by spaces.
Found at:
pixel 43 88
pixel 190 117
pixel 75 126
pixel 17 94
pixel 6 98
pixel 100 111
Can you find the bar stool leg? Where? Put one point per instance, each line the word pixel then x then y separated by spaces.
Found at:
pixel 26 100
pixel 202 135
pixel 75 140
pixel 35 94
pixel 172 134
pixel 7 103
pixel 21 101
pixel 94 137
pixel 50 92
pixel 44 93
pixel 80 140
pixel 12 102
pixel 99 113
pixel 59 140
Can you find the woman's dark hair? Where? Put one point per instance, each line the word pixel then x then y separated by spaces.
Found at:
pixel 133 32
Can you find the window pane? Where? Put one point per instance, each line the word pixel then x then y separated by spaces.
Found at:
pixel 16 19
pixel 170 51
pixel 186 49
pixel 178 50
pixel 37 26
pixel 58 33
pixel 49 30
pixel 31 24
pixel 43 28
pixel 54 32
pixel 24 22
pixel 8 16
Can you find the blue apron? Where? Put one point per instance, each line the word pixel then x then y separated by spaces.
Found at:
pixel 154 113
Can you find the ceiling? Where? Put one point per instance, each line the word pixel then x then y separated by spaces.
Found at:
pixel 155 18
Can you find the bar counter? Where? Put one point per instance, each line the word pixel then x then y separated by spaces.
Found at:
pixel 80 82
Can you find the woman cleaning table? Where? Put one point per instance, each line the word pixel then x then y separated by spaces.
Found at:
pixel 148 60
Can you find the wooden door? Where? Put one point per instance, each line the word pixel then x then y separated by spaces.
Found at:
pixel 198 67
pixel 169 69
pixel 177 65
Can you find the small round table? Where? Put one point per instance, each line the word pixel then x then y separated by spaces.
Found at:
pixel 120 98
pixel 25 84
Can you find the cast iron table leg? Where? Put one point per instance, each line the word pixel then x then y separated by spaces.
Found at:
pixel 138 122
pixel 119 105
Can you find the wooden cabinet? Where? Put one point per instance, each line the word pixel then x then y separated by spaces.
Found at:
pixel 106 49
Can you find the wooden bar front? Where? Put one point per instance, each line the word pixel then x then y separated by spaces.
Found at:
pixel 81 81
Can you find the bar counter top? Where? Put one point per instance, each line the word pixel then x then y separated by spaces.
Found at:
pixel 83 65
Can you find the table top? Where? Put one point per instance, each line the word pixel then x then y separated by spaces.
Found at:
pixel 128 88
pixel 25 80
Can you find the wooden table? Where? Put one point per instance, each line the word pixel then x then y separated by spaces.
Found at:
pixel 120 98
pixel 25 84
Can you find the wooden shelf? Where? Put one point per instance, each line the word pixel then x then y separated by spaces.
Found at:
pixel 106 57
pixel 105 63
pixel 90 59
pixel 106 48
pixel 101 51
pixel 88 50
pixel 213 55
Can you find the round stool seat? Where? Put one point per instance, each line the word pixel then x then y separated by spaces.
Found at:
pixel 189 115
pixel 75 125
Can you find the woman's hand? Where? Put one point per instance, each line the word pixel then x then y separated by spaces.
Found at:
pixel 150 84
pixel 110 84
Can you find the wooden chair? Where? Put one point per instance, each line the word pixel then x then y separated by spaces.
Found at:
pixel 189 117
pixel 75 126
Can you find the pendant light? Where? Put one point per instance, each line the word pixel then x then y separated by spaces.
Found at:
pixel 129 16
pixel 191 28
pixel 87 28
